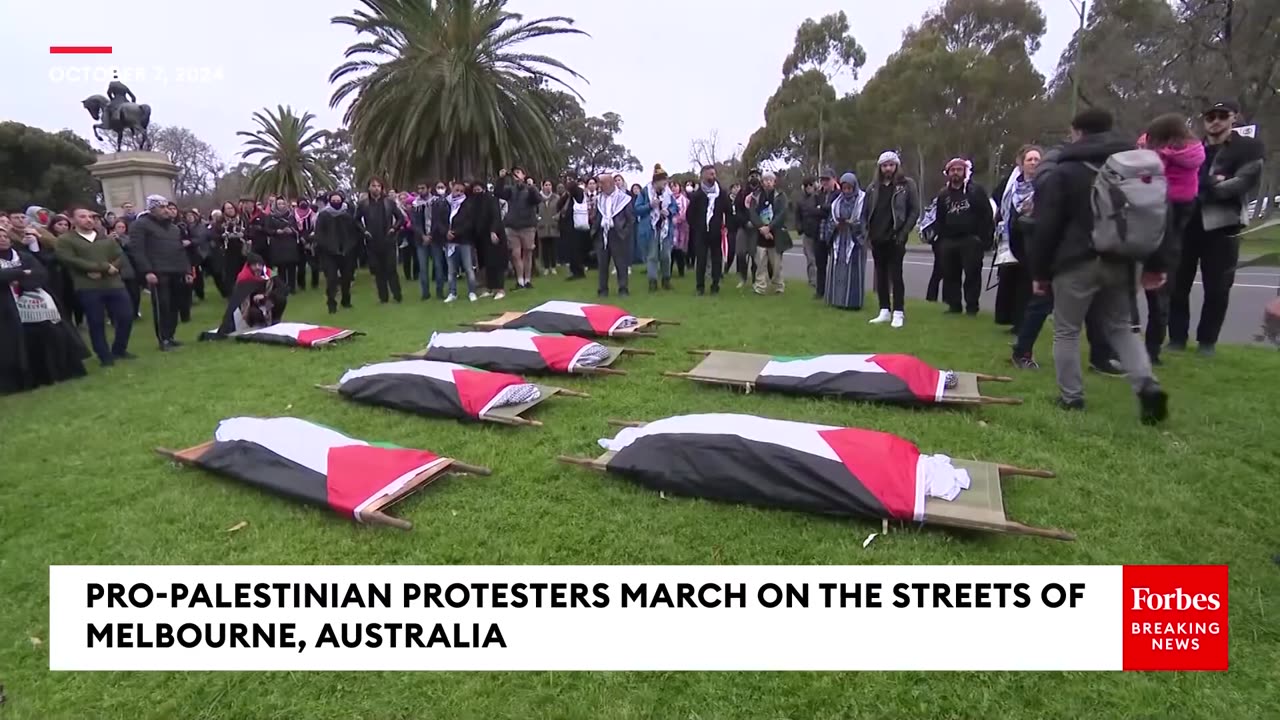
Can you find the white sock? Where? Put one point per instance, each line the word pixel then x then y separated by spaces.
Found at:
pixel 883 317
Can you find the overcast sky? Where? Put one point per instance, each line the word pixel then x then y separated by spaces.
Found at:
pixel 209 65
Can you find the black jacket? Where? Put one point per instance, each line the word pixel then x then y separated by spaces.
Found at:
pixel 283 234
pixel 522 204
pixel 478 217
pixel 1240 161
pixel 982 221
pixel 157 246
pixel 1063 234
pixel 380 227
pixel 336 232
pixel 809 210
pixel 699 229
pixel 440 222
pixel 905 207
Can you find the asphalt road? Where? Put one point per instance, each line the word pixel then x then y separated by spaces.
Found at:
pixel 1253 289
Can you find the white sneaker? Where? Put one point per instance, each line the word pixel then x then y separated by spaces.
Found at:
pixel 880 319
pixel 899 319
pixel 486 294
pixel 471 297
pixel 451 298
pixel 500 295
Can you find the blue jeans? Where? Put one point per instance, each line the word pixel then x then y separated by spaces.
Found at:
pixel 433 255
pixel 461 259
pixel 659 259
pixel 98 305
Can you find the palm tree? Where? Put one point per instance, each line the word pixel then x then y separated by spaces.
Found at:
pixel 441 87
pixel 290 164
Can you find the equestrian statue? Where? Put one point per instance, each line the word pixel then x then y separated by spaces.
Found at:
pixel 119 111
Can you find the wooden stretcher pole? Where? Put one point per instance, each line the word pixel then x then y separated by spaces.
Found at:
pixel 657 321
pixel 572 393
pixel 699 352
pixel 985 400
pixel 379 518
pixel 638 333
pixel 674 374
pixel 626 423
pixel 461 467
pixel 1011 471
pixel 1053 533
pixel 599 371
pixel 993 378
pixel 580 461
pixel 407 356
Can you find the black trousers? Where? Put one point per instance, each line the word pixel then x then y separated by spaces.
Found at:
pixel 935 275
pixel 962 273
pixel 1012 294
pixel 493 256
pixel 289 276
pixel 197 283
pixel 619 253
pixel 409 262
pixel 1215 253
pixel 706 250
pixel 166 303
pixel 134 290
pixel 547 251
pixel 337 271
pixel 383 265
pixel 888 259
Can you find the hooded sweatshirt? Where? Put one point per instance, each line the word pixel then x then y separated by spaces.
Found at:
pixel 1182 170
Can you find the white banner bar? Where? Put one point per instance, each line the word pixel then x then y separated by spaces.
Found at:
pixel 722 618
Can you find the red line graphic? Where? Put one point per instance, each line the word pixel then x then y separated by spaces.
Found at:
pixel 79 49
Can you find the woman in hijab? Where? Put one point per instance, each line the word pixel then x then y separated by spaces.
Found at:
pixel 680 227
pixel 846 271
pixel 36 346
pixel 285 254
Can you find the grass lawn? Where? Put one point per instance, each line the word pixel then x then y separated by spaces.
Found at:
pixel 1261 242
pixel 80 485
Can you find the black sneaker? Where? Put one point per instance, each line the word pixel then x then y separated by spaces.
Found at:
pixel 107 362
pixel 1177 345
pixel 125 356
pixel 173 343
pixel 700 292
pixel 1153 402
pixel 333 309
pixel 666 283
pixel 602 293
pixel 165 347
pixel 1110 368
pixel 972 312
pixel 1025 362
pixel 528 285
pixel 1064 404
pixel 1206 350
pixel 653 286
pixel 953 311
pixel 624 293
pixel 715 289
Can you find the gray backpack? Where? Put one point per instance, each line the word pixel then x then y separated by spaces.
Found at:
pixel 1130 205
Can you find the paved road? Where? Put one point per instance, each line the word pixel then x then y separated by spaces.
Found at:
pixel 1253 289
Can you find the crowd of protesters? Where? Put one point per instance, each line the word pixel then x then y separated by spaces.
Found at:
pixel 76 268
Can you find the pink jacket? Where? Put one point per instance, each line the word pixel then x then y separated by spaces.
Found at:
pixel 1182 170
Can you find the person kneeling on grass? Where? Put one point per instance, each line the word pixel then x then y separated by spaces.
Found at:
pixel 258 299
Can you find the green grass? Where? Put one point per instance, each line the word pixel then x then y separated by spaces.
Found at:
pixel 1260 243
pixel 81 485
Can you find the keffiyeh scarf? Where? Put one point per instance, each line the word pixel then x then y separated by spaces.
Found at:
pixel 34 306
pixel 847 208
pixel 609 206
pixel 1016 194
pixel 713 192
pixel 660 201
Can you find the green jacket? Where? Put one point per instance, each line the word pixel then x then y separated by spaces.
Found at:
pixel 548 218
pixel 781 237
pixel 82 257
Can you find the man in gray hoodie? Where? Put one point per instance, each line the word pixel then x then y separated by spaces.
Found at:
pixel 521 222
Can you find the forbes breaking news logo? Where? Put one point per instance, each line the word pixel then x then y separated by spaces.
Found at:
pixel 1175 617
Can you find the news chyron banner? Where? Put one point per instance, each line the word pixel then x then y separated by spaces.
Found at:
pixel 670 618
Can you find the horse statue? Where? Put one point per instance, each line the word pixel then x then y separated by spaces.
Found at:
pixel 118 118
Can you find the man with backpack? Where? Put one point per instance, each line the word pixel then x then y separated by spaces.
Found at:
pixel 1099 215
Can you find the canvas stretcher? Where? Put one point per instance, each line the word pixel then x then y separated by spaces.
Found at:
pixel 307 336
pixel 505 320
pixel 508 414
pixel 366 496
pixel 980 507
pixel 604 367
pixel 743 371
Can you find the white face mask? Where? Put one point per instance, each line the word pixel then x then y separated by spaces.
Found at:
pixel 440 192
pixel 688 188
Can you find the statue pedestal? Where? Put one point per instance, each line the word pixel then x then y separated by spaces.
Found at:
pixel 129 177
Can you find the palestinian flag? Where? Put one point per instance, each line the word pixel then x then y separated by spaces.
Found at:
pixel 437 389
pixel 879 378
pixel 789 465
pixel 295 334
pixel 516 351
pixel 571 318
pixel 312 463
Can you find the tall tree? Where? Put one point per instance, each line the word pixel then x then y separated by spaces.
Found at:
pixel 801 114
pixel 962 84
pixel 337 157
pixel 46 169
pixel 593 147
pixel 288 149
pixel 443 87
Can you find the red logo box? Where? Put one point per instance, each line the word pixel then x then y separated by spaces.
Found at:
pixel 1175 617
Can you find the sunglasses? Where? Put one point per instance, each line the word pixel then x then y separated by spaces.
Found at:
pixel 1217 115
